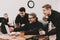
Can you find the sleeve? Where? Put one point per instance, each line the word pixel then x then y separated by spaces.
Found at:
pixel 17 20
pixel 57 23
pixel 42 27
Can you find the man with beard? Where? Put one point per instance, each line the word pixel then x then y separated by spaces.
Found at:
pixel 33 26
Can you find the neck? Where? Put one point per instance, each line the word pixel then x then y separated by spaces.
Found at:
pixel 32 22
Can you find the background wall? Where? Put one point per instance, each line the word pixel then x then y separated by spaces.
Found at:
pixel 12 6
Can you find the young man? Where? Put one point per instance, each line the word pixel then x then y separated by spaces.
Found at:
pixel 33 26
pixel 21 19
pixel 54 17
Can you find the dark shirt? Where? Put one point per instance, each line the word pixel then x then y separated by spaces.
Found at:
pixel 55 19
pixel 21 20
pixel 4 22
pixel 33 28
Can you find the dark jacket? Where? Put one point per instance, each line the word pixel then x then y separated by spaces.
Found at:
pixel 4 22
pixel 55 19
pixel 21 20
pixel 33 28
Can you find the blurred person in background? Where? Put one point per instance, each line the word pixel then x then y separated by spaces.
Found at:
pixel 5 21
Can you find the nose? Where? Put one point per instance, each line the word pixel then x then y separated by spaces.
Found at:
pixel 44 13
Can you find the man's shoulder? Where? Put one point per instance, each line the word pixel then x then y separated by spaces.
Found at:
pixel 18 15
pixel 54 11
pixel 26 13
pixel 38 22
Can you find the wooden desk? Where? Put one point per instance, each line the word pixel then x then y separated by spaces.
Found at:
pixel 7 37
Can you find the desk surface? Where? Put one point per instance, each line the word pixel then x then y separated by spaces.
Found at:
pixel 6 36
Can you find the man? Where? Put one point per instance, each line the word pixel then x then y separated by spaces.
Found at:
pixel 33 26
pixel 54 17
pixel 21 19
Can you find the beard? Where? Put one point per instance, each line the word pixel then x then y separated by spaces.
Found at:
pixel 48 14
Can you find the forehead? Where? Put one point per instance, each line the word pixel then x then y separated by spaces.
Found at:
pixel 5 14
pixel 30 16
pixel 44 8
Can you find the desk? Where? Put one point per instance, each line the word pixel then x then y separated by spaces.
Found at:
pixel 7 37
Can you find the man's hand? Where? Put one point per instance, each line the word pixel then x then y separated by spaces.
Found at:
pixel 42 32
pixel 17 25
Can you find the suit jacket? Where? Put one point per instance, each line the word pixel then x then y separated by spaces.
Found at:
pixel 55 19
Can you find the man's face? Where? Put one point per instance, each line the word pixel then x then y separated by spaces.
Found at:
pixel 47 12
pixel 22 14
pixel 31 19
pixel 5 16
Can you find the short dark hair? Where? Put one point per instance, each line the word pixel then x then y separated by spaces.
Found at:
pixel 33 14
pixel 22 9
pixel 47 6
